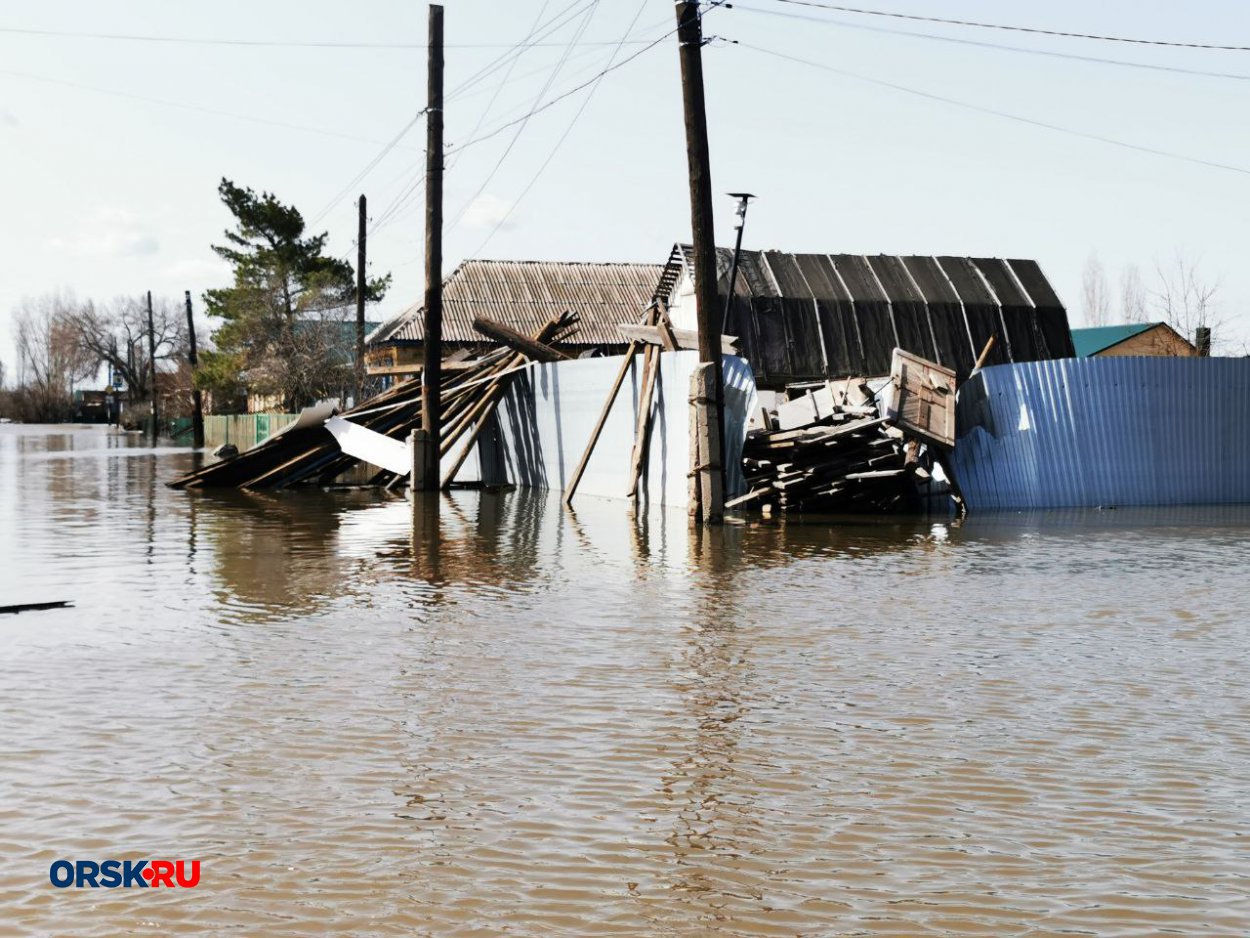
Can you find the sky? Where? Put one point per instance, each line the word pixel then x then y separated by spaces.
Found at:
pixel 889 136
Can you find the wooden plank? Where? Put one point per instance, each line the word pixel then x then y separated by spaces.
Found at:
pixel 921 398
pixel 685 338
pixel 642 431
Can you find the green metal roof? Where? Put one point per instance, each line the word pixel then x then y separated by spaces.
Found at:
pixel 1092 341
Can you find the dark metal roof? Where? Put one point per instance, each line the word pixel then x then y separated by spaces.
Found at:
pixel 526 294
pixel 803 317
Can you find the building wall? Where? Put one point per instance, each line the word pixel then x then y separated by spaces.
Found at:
pixel 393 359
pixel 1159 341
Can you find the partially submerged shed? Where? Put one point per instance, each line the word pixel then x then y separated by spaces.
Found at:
pixel 808 317
pixel 522 295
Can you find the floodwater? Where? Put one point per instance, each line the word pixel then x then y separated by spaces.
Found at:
pixel 529 722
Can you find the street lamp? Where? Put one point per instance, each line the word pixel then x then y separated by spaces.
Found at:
pixel 743 198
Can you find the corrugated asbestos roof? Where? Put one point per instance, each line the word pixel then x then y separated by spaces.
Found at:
pixel 1093 340
pixel 526 294
pixel 1119 430
pixel 805 317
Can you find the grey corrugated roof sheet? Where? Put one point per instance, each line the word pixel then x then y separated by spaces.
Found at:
pixel 810 316
pixel 526 294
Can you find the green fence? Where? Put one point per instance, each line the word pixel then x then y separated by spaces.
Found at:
pixel 243 430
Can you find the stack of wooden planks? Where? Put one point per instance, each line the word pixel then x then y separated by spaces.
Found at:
pixel 839 447
pixel 308 454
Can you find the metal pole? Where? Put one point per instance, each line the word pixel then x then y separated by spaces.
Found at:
pixel 152 362
pixel 690 43
pixel 358 385
pixel 743 198
pixel 197 400
pixel 431 371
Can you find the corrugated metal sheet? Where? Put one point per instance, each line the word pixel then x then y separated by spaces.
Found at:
pixel 805 317
pixel 526 294
pixel 1092 432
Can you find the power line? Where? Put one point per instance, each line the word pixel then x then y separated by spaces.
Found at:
pixel 516 49
pixel 567 130
pixel 994 45
pixel 1015 29
pixel 555 73
pixel 286 125
pixel 556 100
pixel 369 167
pixel 278 43
pixel 1006 115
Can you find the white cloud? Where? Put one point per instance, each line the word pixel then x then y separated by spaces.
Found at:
pixel 8 118
pixel 487 211
pixel 107 232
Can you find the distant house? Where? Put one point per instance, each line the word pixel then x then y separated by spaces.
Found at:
pixel 523 295
pixel 1140 338
pixel 806 317
pixel 337 337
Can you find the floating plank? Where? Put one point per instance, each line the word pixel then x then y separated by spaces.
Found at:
pixel 33 607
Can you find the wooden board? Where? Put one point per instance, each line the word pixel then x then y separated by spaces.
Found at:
pixel 920 398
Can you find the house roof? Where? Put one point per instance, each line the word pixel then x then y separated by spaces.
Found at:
pixel 1097 339
pixel 526 294
pixel 810 316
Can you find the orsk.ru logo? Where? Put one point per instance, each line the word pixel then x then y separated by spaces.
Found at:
pixel 111 874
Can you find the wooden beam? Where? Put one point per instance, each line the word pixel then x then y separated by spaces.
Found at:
pixel 642 431
pixel 530 348
pixel 684 338
pixel 576 479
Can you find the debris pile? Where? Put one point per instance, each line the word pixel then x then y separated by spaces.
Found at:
pixel 842 447
pixel 308 453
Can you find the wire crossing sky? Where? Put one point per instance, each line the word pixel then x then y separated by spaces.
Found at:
pixel 904 127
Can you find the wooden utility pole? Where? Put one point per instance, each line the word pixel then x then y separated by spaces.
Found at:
pixel 152 362
pixel 432 368
pixel 197 400
pixel 709 465
pixel 358 387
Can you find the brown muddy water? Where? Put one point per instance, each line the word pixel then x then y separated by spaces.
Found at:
pixel 530 722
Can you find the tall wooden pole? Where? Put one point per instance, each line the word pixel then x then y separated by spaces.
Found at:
pixel 152 362
pixel 690 43
pixel 197 400
pixel 431 371
pixel 359 385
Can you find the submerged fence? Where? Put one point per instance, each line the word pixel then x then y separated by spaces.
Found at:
pixel 243 430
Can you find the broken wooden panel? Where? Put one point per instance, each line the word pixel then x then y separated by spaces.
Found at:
pixel 920 398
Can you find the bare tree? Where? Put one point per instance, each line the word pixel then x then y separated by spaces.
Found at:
pixel 1132 294
pixel 117 335
pixel 50 360
pixel 1184 298
pixel 1095 296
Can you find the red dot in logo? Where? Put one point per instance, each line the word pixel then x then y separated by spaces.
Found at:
pixel 148 872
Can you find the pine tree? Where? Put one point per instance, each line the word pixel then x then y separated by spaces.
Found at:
pixel 284 286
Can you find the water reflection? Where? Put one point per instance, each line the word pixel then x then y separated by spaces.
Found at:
pixel 476 712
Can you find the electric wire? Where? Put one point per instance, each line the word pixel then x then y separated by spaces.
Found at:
pixel 95 89
pixel 1006 115
pixel 555 149
pixel 1049 53
pixel 278 43
pixel 1033 30
pixel 520 128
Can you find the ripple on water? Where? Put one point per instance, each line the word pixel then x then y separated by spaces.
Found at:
pixel 525 721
